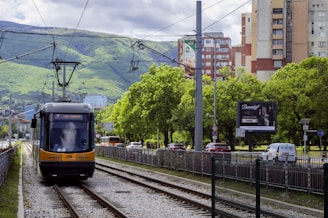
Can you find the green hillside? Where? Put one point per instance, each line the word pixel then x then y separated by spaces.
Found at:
pixel 27 56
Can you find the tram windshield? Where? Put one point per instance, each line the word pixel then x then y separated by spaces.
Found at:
pixel 69 136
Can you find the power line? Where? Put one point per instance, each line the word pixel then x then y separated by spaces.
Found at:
pixel 227 14
pixel 37 9
pixel 179 21
pixel 28 53
pixel 77 26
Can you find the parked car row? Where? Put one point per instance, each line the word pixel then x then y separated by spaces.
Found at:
pixel 275 151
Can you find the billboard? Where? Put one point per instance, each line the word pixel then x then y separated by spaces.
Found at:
pixel 254 116
pixel 189 56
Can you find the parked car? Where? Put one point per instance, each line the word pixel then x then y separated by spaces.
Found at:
pixel 217 147
pixel 119 145
pixel 280 152
pixel 134 146
pixel 176 146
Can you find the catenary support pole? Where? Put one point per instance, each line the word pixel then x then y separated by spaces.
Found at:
pixel 199 104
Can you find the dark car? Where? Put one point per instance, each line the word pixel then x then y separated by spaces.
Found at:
pixel 119 145
pixel 176 146
pixel 217 147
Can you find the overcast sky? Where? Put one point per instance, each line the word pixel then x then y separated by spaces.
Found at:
pixel 145 19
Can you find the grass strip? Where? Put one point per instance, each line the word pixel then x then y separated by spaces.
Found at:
pixel 9 190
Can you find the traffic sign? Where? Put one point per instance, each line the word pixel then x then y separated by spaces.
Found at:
pixel 109 126
pixel 240 132
pixel 214 133
pixel 320 132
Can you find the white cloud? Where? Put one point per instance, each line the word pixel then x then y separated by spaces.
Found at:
pixel 148 19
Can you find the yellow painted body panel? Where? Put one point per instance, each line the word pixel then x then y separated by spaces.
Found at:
pixel 67 157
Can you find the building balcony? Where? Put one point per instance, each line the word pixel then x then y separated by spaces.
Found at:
pixel 277 36
pixel 277 47
pixel 277 16
pixel 277 57
pixel 277 26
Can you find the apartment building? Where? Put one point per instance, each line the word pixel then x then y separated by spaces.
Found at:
pixel 216 53
pixel 283 31
pixel 242 54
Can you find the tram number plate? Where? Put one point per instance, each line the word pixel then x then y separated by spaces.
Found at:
pixel 69 157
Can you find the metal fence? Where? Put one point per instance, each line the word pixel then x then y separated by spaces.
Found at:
pixel 305 175
pixel 6 159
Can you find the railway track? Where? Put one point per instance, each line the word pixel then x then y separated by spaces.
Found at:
pixel 93 201
pixel 188 200
pixel 226 208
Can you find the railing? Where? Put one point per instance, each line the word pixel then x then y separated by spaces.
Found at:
pixel 305 175
pixel 6 159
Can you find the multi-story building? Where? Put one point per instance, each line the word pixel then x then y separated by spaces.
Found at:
pixel 242 54
pixel 282 31
pixel 216 53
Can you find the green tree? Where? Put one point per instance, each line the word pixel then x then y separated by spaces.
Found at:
pixel 245 87
pixel 162 88
pixel 299 90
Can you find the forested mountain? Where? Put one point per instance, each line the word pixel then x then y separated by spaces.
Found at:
pixel 106 64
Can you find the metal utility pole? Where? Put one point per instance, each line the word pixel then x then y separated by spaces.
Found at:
pixel 53 91
pixel 9 129
pixel 215 128
pixel 199 104
pixel 64 84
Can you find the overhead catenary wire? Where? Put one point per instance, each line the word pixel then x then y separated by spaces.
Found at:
pixel 28 53
pixel 224 16
pixel 77 26
pixel 37 9
pixel 179 21
pixel 44 23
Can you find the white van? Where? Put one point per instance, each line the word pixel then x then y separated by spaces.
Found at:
pixel 280 152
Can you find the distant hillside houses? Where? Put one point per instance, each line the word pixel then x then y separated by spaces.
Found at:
pixel 97 101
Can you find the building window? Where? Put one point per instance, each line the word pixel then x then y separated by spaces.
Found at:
pixel 321 14
pixel 222 64
pixel 223 57
pixel 277 10
pixel 208 56
pixel 322 34
pixel 223 49
pixel 277 64
pixel 207 41
pixel 208 64
pixel 208 49
pixel 277 52
pixel 277 41
pixel 321 54
pixel 321 44
pixel 277 32
pixel 277 21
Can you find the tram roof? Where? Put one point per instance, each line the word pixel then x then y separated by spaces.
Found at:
pixel 67 107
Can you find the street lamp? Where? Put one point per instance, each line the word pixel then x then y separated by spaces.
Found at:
pixel 214 133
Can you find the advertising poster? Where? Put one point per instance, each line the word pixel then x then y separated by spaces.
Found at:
pixel 257 116
pixel 190 57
